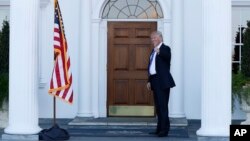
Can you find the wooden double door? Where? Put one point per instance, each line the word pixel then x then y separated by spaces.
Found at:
pixel 129 47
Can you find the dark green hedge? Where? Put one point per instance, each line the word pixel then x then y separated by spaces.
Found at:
pixel 4 62
pixel 4 90
pixel 245 64
pixel 4 48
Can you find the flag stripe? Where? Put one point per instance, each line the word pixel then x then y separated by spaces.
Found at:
pixel 57 43
pixel 61 70
pixel 54 82
pixel 58 79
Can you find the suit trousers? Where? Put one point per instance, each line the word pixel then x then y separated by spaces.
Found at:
pixel 161 98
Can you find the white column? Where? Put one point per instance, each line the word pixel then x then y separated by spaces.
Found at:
pixel 216 68
pixel 95 67
pixel 85 96
pixel 44 39
pixel 167 32
pixel 103 69
pixel 177 96
pixel 23 73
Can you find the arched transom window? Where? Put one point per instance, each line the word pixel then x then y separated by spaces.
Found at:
pixel 132 9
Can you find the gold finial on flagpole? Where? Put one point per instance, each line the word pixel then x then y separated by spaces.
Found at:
pixel 55 1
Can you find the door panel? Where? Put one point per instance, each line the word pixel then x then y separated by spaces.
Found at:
pixel 129 47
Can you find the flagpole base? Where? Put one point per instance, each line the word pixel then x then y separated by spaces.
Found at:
pixel 54 133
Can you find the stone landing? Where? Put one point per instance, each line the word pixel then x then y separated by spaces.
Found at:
pixel 125 121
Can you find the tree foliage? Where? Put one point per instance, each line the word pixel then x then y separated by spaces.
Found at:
pixel 245 64
pixel 241 80
pixel 4 62
pixel 4 48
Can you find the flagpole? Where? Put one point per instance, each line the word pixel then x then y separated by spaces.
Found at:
pixel 54 110
pixel 62 90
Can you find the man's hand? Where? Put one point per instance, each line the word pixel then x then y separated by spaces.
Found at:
pixel 149 86
pixel 157 50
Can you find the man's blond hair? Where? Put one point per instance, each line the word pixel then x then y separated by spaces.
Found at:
pixel 158 33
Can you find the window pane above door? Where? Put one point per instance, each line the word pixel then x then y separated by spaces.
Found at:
pixel 132 9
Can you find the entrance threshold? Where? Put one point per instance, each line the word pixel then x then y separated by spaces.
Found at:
pixel 125 121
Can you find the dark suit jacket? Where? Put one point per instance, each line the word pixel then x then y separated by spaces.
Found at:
pixel 162 64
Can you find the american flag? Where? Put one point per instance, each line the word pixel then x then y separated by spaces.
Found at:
pixel 61 81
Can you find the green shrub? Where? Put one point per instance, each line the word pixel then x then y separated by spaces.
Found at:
pixel 4 62
pixel 245 63
pixel 241 80
pixel 4 48
pixel 4 90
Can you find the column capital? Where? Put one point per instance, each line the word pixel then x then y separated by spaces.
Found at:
pixel 240 3
pixel 4 2
pixel 43 3
pixel 96 20
pixel 167 20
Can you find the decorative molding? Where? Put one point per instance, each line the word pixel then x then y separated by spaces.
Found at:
pixel 132 20
pixel 96 20
pixel 242 3
pixel 42 84
pixel 43 3
pixel 5 3
pixel 167 20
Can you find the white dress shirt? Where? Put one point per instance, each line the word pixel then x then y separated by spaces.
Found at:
pixel 152 69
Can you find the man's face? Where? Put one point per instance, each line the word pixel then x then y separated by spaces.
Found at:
pixel 155 39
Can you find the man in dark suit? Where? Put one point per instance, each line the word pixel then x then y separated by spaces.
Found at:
pixel 160 81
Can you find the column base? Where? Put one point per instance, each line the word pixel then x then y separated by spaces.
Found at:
pixel 20 137
pixel 177 115
pixel 21 130
pixel 216 132
pixel 84 115
pixel 212 138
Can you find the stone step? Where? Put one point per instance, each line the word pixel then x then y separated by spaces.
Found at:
pixel 122 131
pixel 123 127
pixel 117 127
pixel 124 121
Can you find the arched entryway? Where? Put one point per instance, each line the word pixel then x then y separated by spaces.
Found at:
pixel 128 49
pixel 94 45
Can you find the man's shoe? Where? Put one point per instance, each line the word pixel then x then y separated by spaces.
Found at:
pixel 163 134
